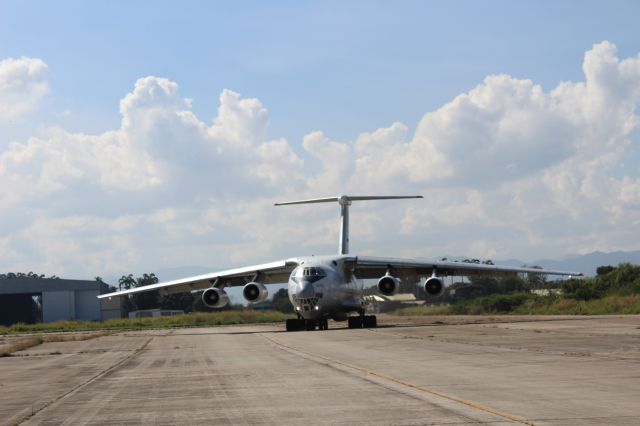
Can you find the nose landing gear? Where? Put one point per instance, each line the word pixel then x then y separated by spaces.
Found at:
pixel 323 324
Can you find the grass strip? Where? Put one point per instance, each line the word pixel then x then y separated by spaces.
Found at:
pixel 21 345
pixel 199 319
pixel 74 337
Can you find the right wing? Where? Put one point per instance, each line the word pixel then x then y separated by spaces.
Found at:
pixel 267 273
pixel 366 267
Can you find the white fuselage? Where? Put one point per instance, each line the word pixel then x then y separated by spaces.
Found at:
pixel 320 287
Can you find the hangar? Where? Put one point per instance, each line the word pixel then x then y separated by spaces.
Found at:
pixel 58 299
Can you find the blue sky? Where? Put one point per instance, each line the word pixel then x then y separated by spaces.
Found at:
pixel 138 134
pixel 312 63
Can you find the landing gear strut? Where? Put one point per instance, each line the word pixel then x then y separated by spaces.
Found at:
pixel 323 324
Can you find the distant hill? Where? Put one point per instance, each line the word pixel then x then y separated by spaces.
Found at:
pixel 586 263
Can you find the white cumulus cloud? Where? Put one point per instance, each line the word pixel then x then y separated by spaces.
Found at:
pixel 23 84
pixel 507 169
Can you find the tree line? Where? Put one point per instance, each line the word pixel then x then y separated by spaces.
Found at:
pixel 188 302
pixel 612 290
pixel 11 275
pixel 29 308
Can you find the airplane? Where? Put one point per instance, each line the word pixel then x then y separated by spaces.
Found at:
pixel 330 286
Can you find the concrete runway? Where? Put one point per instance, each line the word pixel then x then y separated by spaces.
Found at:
pixel 446 370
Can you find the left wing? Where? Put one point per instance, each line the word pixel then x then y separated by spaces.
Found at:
pixel 365 267
pixel 267 273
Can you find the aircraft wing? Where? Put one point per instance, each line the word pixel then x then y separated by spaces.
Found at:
pixel 268 273
pixel 365 267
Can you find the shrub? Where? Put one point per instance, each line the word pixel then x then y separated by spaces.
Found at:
pixel 494 304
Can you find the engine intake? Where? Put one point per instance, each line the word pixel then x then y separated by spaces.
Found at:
pixel 434 287
pixel 388 285
pixel 214 297
pixel 255 292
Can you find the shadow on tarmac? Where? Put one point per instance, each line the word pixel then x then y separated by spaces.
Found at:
pixel 385 326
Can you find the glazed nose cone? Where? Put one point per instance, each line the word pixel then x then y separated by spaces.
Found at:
pixel 305 290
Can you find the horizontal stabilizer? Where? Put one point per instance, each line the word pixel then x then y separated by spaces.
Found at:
pixel 347 198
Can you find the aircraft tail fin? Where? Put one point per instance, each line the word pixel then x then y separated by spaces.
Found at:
pixel 345 202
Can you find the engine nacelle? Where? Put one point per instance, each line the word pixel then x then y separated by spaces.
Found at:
pixel 388 285
pixel 255 292
pixel 214 297
pixel 434 286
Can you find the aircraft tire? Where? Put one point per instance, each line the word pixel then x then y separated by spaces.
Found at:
pixel 370 321
pixel 355 322
pixel 310 325
pixel 294 325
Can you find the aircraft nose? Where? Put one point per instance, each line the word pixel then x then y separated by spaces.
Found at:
pixel 305 290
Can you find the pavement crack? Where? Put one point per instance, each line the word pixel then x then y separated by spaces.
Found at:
pixel 87 382
pixel 397 381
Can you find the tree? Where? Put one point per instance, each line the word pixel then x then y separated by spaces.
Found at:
pixel 604 270
pixel 12 275
pixel 409 286
pixel 126 282
pixel 280 301
pixel 536 280
pixel 147 299
pixel 484 286
pixel 582 290
pixel 182 301
pixel 139 301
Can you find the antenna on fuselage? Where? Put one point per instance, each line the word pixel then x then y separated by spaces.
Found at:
pixel 345 202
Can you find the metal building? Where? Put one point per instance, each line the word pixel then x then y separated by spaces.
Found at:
pixel 61 299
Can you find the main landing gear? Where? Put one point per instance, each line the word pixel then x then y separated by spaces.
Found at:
pixel 306 324
pixel 360 321
pixel 363 321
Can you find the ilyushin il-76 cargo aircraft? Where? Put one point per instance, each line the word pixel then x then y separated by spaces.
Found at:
pixel 323 287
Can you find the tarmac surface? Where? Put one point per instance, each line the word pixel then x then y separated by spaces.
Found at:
pixel 416 371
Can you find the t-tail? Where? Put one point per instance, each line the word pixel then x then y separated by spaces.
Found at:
pixel 345 202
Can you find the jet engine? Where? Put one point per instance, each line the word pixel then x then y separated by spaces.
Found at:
pixel 214 297
pixel 388 285
pixel 255 292
pixel 434 286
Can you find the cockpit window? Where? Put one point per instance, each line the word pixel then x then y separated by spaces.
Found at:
pixel 309 271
